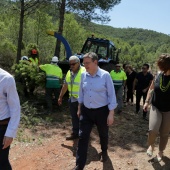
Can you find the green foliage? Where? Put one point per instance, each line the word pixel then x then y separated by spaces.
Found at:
pixel 28 114
pixel 137 45
pixel 87 9
pixel 27 74
pixel 7 54
pixel 35 33
pixel 76 36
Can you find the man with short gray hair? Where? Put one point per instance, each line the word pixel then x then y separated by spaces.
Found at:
pixel 97 102
pixel 72 84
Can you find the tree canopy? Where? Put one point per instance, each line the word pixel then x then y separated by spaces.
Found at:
pixel 137 45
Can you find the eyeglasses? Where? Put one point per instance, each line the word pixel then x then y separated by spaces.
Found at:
pixel 73 64
pixel 117 66
pixel 87 63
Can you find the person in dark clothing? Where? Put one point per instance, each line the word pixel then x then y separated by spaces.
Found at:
pixel 142 83
pixel 124 88
pixel 131 75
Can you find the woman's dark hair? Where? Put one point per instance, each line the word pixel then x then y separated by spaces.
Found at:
pixel 164 62
pixel 129 66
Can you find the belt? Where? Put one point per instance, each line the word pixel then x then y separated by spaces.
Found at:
pixel 97 108
pixel 4 121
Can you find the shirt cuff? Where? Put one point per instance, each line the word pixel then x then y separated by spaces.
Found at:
pixel 11 133
pixel 112 106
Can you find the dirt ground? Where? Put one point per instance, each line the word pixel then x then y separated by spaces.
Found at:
pixel 44 147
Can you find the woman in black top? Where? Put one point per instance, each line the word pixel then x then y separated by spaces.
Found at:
pixel 159 120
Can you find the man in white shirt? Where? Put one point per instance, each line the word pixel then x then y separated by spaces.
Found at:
pixel 9 116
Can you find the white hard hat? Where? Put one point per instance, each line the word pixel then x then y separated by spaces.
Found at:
pixel 24 58
pixel 55 59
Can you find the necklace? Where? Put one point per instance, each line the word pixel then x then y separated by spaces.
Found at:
pixel 164 88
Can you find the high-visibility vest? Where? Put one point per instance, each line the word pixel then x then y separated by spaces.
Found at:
pixel 53 75
pixel 73 87
pixel 33 61
pixel 118 77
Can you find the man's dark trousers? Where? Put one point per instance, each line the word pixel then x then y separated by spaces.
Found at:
pixel 4 161
pixel 49 96
pixel 88 118
pixel 139 95
pixel 75 120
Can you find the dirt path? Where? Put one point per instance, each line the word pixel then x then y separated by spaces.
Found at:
pixel 47 148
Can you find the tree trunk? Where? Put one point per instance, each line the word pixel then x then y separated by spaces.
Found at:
pixel 60 30
pixel 20 32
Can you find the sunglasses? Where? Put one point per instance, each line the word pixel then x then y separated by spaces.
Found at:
pixel 117 66
pixel 73 64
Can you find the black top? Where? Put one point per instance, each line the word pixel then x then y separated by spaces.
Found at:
pixel 130 78
pixel 143 80
pixel 161 100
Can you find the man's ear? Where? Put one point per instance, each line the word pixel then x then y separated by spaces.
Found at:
pixel 95 61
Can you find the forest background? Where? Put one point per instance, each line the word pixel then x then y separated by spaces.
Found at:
pixel 24 23
pixel 137 46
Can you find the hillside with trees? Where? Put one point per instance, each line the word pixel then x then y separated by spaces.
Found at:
pixel 40 142
pixel 137 45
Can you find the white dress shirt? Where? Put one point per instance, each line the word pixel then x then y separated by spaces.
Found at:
pixel 9 103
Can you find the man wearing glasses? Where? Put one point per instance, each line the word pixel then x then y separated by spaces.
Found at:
pixel 119 80
pixel 72 84
pixel 142 83
pixel 97 102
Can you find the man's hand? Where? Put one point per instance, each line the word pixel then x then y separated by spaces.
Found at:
pixel 144 90
pixel 79 110
pixel 78 113
pixel 59 101
pixel 7 141
pixel 110 118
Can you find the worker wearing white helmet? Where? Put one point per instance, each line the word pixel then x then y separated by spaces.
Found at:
pixel 24 58
pixel 54 59
pixel 53 81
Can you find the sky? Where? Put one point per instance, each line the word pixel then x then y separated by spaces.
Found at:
pixel 147 14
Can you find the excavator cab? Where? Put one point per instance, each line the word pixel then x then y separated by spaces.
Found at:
pixel 105 49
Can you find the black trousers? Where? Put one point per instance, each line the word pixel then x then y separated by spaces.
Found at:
pixel 88 118
pixel 75 120
pixel 4 153
pixel 139 95
pixel 129 94
pixel 49 92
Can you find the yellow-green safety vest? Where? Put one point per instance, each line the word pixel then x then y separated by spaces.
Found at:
pixel 75 86
pixel 34 61
pixel 53 75
pixel 118 78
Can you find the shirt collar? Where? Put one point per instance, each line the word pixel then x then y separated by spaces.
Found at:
pixel 98 73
